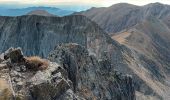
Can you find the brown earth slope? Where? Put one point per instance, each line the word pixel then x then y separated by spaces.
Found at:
pixel 150 39
pixel 122 16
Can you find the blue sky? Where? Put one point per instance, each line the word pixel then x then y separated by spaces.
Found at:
pixel 74 4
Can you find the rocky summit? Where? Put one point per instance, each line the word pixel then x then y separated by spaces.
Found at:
pixel 71 73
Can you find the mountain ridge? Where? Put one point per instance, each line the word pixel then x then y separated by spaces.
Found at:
pixel 23 11
pixel 122 16
pixel 150 39
pixel 40 13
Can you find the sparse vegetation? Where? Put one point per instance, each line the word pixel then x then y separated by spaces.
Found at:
pixel 5 92
pixel 20 97
pixel 36 63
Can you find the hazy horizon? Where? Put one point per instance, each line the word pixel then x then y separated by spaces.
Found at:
pixel 74 5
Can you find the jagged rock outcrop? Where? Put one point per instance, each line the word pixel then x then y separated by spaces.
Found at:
pixel 75 75
pixel 92 78
pixel 49 84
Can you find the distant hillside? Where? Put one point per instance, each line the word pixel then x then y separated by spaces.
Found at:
pixel 24 11
pixel 40 12
pixel 122 16
pixel 150 39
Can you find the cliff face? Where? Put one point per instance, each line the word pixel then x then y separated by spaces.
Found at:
pixel 38 35
pixel 77 75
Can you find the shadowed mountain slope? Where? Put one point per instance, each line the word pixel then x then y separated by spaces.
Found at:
pixel 41 34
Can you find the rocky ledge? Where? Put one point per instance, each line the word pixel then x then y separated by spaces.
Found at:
pixel 69 74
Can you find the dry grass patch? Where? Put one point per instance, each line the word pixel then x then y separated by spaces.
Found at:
pixel 36 63
pixel 5 92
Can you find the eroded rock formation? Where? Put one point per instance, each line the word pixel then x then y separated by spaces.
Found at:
pixel 92 78
pixel 73 75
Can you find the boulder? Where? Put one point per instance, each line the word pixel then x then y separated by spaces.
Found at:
pixel 49 91
pixel 14 54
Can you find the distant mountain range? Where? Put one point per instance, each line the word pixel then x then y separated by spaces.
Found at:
pixel 122 16
pixel 40 13
pixel 24 11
